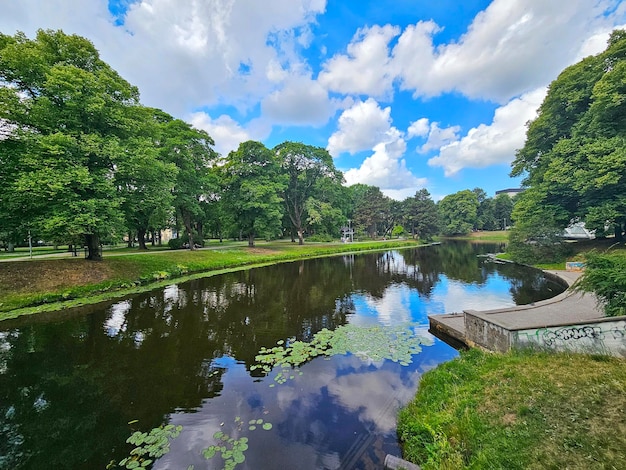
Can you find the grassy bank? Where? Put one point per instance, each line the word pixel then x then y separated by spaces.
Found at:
pixel 46 285
pixel 518 411
pixel 494 236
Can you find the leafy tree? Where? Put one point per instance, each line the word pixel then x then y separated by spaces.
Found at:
pixel 503 210
pixel 574 158
pixel 458 212
pixel 304 166
pixel 144 179
pixel 190 150
pixel 253 185
pixel 372 208
pixel 420 213
pixel 67 112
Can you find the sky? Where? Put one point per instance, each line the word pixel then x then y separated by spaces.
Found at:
pixel 404 94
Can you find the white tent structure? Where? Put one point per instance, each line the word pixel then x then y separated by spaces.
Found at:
pixel 577 231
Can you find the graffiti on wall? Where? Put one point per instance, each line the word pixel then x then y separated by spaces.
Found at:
pixel 600 337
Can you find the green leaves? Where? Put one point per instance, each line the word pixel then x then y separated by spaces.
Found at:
pixel 149 446
pixel 376 343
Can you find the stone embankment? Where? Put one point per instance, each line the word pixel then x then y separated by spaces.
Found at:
pixel 571 321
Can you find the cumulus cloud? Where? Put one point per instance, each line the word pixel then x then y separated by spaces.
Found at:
pixel 438 137
pixel 495 143
pixel 418 128
pixel 365 68
pixel 226 132
pixel 511 47
pixel 302 101
pixel 361 126
pixel 386 169
pixel 184 55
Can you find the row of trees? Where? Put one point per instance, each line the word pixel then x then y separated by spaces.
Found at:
pixel 82 161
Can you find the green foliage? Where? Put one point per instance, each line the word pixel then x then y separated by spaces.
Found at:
pixel 371 209
pixel 375 343
pixel 458 212
pixel 252 190
pixel 574 157
pixel 605 275
pixel 149 446
pixel 304 167
pixel 421 215
pixel 70 115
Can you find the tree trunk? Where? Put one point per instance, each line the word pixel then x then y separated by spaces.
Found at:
pixel 300 236
pixel 130 239
pixel 141 238
pixel 93 247
pixel 251 240
pixel 11 247
pixel 189 229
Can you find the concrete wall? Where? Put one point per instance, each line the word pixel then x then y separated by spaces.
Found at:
pixel 606 336
pixel 481 332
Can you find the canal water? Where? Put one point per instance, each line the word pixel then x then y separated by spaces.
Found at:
pixel 74 386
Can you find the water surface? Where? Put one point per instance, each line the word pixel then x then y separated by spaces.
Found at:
pixel 70 383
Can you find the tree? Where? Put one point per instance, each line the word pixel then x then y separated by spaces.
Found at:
pixel 144 179
pixel 574 159
pixel 67 112
pixel 304 165
pixel 420 214
pixel 372 207
pixel 253 185
pixel 190 150
pixel 503 210
pixel 458 212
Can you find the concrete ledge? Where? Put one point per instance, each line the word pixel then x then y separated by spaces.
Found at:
pixel 569 321
pixel 395 463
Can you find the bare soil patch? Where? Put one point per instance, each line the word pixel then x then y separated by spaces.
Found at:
pixel 50 275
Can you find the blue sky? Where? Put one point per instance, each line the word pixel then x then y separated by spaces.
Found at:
pixel 405 94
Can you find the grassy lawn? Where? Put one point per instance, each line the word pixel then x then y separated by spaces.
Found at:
pixel 521 410
pixel 497 236
pixel 51 284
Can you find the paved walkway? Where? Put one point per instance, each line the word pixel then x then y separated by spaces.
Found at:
pixel 567 308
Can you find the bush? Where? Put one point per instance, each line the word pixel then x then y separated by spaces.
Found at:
pixel 605 274
pixel 176 243
pixel 320 237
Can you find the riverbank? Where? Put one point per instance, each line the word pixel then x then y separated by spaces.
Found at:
pixel 44 285
pixel 518 410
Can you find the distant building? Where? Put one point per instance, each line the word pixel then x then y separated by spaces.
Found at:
pixel 511 192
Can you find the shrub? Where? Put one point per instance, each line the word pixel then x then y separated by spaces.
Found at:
pixel 605 274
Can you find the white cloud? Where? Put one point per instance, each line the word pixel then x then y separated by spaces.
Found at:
pixel 301 102
pixel 495 143
pixel 511 47
pixel 418 128
pixel 438 137
pixel 361 127
pixel 386 169
pixel 365 69
pixel 183 55
pixel 225 131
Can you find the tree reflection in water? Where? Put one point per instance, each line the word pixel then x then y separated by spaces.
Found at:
pixel 71 382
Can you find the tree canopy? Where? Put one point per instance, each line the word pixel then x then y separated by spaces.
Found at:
pixel 574 158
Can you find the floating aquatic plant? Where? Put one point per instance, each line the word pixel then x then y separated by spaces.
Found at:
pixel 376 343
pixel 232 450
pixel 149 446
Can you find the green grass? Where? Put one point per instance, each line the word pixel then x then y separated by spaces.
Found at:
pixel 520 410
pixel 46 285
pixel 497 236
